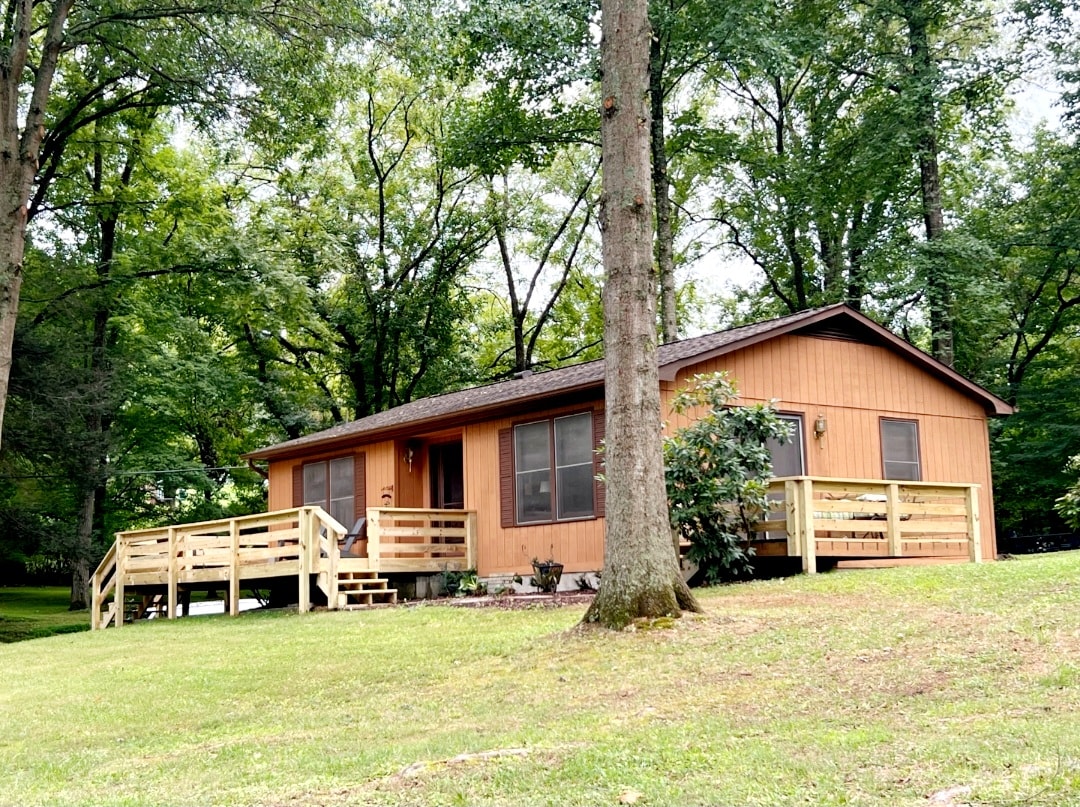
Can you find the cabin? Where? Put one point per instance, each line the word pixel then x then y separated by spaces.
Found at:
pixel 889 464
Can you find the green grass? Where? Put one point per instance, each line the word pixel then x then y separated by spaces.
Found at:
pixel 860 688
pixel 33 613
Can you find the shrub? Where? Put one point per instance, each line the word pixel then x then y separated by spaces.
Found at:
pixel 716 470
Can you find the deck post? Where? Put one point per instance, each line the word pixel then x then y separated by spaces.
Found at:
pixel 95 601
pixel 373 538
pixel 121 569
pixel 471 540
pixel 971 505
pixel 792 488
pixel 234 569
pixel 173 574
pixel 809 548
pixel 333 555
pixel 892 520
pixel 303 604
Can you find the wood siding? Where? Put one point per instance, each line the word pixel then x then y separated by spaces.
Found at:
pixel 863 383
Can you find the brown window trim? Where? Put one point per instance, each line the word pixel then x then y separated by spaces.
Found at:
pixel 508 471
pixel 359 472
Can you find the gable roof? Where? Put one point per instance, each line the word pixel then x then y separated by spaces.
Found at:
pixel 475 403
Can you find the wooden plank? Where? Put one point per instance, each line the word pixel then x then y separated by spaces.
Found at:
pixel 775 525
pixel 333 558
pixel 307 524
pixel 770 549
pixel 121 570
pixel 374 537
pixel 932 509
pixel 422 564
pixel 886 563
pixel 933 489
pixel 971 502
pixel 809 529
pixel 172 574
pixel 841 549
pixel 849 506
pixel 395 548
pixel 423 532
pixel 928 527
pixel 850 525
pixel 943 541
pixel 470 540
pixel 283 553
pixel 234 570
pixel 791 511
pixel 892 519
pixel 412 512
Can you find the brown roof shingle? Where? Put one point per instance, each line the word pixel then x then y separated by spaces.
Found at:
pixel 483 400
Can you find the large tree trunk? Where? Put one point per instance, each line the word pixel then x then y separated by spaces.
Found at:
pixel 938 287
pixel 665 238
pixel 641 575
pixel 20 144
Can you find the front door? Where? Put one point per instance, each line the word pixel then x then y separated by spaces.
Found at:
pixel 447 476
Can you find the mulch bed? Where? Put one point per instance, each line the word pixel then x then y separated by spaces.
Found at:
pixel 514 602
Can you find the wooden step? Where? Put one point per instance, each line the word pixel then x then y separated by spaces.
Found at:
pixel 382 596
pixel 374 584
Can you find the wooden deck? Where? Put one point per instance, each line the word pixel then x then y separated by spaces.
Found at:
pixel 305 542
pixel 872 522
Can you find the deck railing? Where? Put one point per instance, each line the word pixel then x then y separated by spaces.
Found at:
pixel 301 542
pixel 869 518
pixel 298 541
pixel 402 539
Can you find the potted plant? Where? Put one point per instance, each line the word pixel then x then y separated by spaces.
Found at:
pixel 547 574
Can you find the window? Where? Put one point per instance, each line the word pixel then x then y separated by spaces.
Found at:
pixel 553 469
pixel 330 485
pixel 787 459
pixel 900 449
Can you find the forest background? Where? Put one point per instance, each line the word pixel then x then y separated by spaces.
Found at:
pixel 248 222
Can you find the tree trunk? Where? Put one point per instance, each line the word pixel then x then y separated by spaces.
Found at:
pixel 80 568
pixel 641 577
pixel 20 145
pixel 923 70
pixel 665 238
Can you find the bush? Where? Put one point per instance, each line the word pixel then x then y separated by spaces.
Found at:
pixel 716 470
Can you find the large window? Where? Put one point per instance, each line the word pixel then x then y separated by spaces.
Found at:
pixel 330 485
pixel 900 449
pixel 553 469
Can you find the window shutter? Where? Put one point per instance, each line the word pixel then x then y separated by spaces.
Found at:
pixel 298 485
pixel 506 477
pixel 360 485
pixel 599 488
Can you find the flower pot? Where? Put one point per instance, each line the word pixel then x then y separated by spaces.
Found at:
pixel 546 575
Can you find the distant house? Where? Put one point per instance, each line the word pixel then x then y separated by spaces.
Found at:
pixel 890 464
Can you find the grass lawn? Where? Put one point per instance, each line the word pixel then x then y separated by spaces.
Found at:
pixel 860 688
pixel 32 613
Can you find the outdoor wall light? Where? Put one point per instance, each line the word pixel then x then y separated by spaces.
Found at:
pixel 820 426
